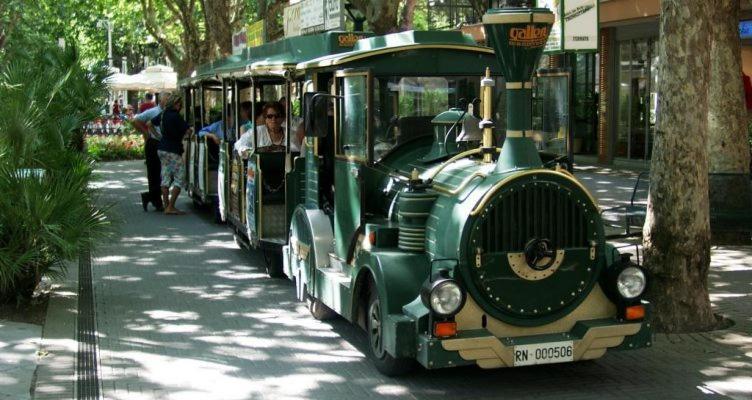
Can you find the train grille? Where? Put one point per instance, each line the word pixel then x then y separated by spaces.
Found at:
pixel 542 210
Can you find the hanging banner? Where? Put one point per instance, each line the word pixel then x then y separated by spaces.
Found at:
pixel 334 15
pixel 580 25
pixel 312 16
pixel 239 41
pixel 291 19
pixel 255 33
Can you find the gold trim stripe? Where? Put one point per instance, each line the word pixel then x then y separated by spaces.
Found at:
pixel 519 85
pixel 353 56
pixel 492 192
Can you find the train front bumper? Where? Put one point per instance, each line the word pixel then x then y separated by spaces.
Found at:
pixel 587 340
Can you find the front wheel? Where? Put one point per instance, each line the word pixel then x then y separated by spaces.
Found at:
pixel 382 360
pixel 319 310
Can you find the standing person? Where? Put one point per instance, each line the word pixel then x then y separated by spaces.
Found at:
pixel 153 166
pixel 147 103
pixel 116 109
pixel 170 150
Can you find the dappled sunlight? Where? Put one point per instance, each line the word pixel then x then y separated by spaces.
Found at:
pixel 18 346
pixel 183 313
pixel 172 315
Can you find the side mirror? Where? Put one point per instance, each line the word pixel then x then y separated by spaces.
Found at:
pixel 315 113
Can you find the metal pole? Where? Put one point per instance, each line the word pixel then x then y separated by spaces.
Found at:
pixel 109 42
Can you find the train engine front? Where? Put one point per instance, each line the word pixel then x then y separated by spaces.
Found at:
pixel 520 271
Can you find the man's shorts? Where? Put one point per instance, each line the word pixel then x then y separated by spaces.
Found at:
pixel 173 169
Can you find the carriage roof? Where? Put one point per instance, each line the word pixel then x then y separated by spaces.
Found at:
pixel 329 49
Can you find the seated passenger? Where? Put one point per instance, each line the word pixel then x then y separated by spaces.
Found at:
pixel 270 135
pixel 216 132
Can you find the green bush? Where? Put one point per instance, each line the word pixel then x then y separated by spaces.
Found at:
pixel 48 213
pixel 115 147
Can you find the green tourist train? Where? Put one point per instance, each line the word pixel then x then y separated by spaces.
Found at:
pixel 408 196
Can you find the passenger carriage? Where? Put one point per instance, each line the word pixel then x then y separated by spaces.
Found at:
pixel 421 210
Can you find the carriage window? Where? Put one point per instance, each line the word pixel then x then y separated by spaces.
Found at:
pixel 352 116
pixel 405 106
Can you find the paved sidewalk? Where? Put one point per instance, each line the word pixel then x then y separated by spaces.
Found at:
pixel 18 347
pixel 183 313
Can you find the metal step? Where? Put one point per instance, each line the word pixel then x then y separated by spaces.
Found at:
pixel 334 275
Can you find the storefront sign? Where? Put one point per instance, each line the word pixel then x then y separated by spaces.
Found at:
pixel 580 25
pixel 239 41
pixel 575 25
pixel 554 43
pixel 311 16
pixel 255 33
pixel 292 19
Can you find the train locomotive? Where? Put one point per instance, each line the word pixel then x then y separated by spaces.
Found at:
pixel 405 217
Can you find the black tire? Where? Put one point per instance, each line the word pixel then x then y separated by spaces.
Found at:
pixel 239 241
pixel 319 310
pixel 273 263
pixel 381 359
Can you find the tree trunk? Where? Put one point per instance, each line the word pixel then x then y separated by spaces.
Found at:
pixel 381 15
pixel 677 227
pixel 218 25
pixel 408 13
pixel 728 148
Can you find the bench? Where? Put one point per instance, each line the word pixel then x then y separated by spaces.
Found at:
pixel 722 220
pixel 633 213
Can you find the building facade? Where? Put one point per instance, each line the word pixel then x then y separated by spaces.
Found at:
pixel 628 79
pixel 614 91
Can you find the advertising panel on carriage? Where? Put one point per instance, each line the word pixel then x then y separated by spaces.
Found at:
pixel 311 16
pixel 250 193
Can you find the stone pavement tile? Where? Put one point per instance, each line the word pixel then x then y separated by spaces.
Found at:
pixel 185 314
pixel 18 347
pixel 56 371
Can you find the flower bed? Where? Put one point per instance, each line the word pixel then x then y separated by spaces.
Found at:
pixel 115 147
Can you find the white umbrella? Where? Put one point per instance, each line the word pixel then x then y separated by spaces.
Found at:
pixel 154 78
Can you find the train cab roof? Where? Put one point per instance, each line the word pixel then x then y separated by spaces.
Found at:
pixel 398 42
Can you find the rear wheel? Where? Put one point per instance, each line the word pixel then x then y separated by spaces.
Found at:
pixel 217 212
pixel 382 360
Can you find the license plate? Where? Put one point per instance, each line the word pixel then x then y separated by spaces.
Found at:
pixel 543 353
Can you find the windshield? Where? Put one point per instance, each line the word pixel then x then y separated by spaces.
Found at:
pixel 405 105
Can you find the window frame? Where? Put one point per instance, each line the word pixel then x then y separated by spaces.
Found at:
pixel 339 108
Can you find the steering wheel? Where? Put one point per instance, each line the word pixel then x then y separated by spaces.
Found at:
pixel 389 132
pixel 538 250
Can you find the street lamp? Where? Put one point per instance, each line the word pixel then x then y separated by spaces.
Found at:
pixel 102 23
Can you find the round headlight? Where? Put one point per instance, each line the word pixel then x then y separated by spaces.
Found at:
pixel 631 282
pixel 446 298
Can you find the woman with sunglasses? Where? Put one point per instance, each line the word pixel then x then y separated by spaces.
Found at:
pixel 270 135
